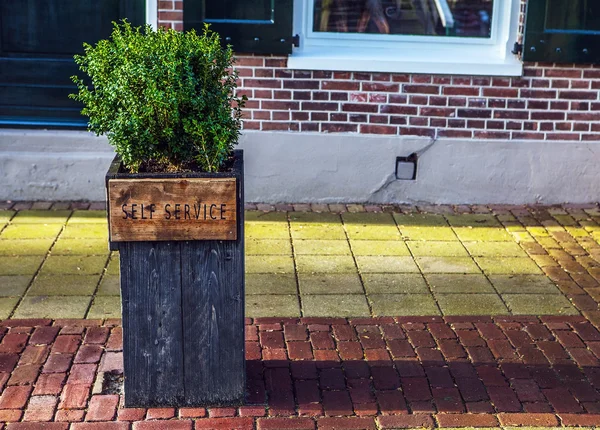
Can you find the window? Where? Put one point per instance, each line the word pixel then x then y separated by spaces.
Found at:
pixel 562 31
pixel 415 36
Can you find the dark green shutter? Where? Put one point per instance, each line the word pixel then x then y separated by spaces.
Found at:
pixel 37 42
pixel 562 31
pixel 250 26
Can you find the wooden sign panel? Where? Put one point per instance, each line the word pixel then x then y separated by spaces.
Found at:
pixel 172 209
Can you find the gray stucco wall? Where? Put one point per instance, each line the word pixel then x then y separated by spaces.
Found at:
pixel 294 167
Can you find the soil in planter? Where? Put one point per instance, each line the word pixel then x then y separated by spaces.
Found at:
pixel 156 166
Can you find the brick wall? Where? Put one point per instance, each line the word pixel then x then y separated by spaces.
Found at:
pixel 549 102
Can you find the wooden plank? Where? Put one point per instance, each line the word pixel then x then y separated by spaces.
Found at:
pixel 213 315
pixel 152 323
pixel 213 322
pixel 172 209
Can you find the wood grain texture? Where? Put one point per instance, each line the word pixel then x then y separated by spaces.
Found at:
pixel 152 323
pixel 213 322
pixel 172 209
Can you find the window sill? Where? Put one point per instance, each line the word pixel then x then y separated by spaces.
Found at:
pixel 480 62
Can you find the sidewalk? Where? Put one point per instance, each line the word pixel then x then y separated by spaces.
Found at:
pixel 437 261
pixel 358 318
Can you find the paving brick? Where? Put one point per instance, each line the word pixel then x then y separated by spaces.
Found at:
pixel 160 413
pixel 74 396
pixel 69 415
pixel 40 408
pixel 14 397
pixel 562 401
pixel 218 423
pixel 37 426
pixel 24 375
pixel 350 423
pixel 405 421
pixel 219 412
pixel 583 420
pixel 285 423
pixel 160 425
pixel 43 335
pixel 101 426
pixel 466 420
pixel 10 415
pixel 525 419
pixel 102 408
pixel 131 414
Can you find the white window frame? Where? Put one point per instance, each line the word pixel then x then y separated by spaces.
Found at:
pixel 409 54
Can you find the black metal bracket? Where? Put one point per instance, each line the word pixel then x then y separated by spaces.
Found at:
pixel 296 40
pixel 517 48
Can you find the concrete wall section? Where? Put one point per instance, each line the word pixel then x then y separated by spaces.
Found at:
pixel 317 167
pixel 349 168
pixel 52 165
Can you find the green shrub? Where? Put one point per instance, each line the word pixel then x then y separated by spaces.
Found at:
pixel 162 97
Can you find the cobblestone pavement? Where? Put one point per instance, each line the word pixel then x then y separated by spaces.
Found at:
pixel 325 373
pixel 330 260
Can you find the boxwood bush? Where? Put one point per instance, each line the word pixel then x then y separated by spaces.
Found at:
pixel 165 99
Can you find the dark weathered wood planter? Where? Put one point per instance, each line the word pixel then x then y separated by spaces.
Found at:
pixel 182 284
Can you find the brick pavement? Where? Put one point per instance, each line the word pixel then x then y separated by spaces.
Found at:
pixel 326 373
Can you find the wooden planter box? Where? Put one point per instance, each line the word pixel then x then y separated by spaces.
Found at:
pixel 181 245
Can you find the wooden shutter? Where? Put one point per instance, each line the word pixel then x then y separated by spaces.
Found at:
pixel 252 26
pixel 562 31
pixel 37 42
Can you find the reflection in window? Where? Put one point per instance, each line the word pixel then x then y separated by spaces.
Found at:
pixel 573 15
pixel 462 18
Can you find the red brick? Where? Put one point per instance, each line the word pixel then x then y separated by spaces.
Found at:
pixel 285 423
pixel 82 374
pixel 391 402
pixel 346 423
pixel 13 343
pixel 34 355
pixel 336 403
pixel 37 426
pixel 420 89
pixel 294 332
pixel 583 420
pixel 89 354
pixel 405 421
pixel 350 350
pixel 160 425
pixel 115 340
pixel 322 340
pixel 14 397
pixel 66 344
pixel 221 412
pixel 562 401
pixel 219 423
pixel 40 408
pixel 49 384
pixel 102 408
pixel 251 411
pixel 24 375
pixel 466 420
pixel 8 362
pixel 57 363
pixel 160 413
pixel 96 335
pixel 101 426
pixel 299 350
pixel 111 361
pixel 74 396
pixel 131 414
pixel 10 415
pixel 525 419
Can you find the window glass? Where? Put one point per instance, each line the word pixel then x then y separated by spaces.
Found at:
pixel 458 18
pixel 573 15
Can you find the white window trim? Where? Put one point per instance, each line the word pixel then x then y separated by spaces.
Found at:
pixel 152 13
pixel 410 54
